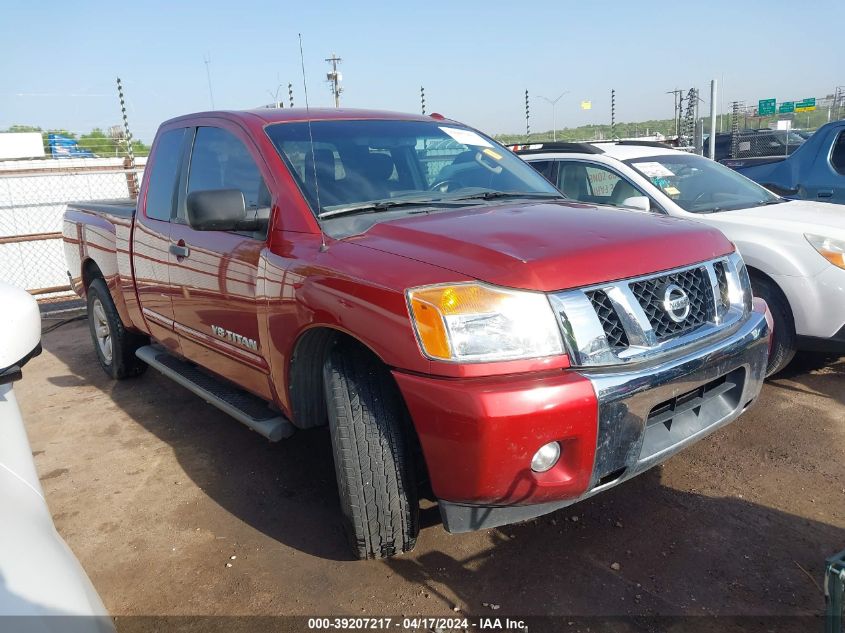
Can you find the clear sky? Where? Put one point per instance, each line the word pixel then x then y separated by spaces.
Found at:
pixel 475 59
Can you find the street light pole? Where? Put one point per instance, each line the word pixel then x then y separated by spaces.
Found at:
pixel 554 118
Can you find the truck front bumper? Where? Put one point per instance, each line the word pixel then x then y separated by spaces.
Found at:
pixel 478 436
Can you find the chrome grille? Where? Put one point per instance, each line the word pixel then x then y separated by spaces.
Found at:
pixel 722 280
pixel 626 321
pixel 650 294
pixel 610 321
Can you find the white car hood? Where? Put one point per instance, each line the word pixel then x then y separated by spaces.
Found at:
pixel 795 216
pixel 40 577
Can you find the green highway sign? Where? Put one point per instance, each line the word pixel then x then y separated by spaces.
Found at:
pixel 786 107
pixel 766 107
pixel 806 105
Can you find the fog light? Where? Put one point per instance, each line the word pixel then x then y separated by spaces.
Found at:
pixel 546 457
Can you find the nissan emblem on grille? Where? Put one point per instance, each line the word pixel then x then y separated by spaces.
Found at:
pixel 676 302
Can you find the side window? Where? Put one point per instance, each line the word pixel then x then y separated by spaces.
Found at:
pixel 545 167
pixel 221 161
pixel 593 183
pixel 164 174
pixel 837 154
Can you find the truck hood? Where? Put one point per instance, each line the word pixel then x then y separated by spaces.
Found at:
pixel 547 246
pixel 794 216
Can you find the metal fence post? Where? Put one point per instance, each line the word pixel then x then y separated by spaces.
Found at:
pixel 734 129
pixel 129 149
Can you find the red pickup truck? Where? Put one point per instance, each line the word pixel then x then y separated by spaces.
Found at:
pixel 464 330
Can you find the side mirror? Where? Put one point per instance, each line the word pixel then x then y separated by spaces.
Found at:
pixel 219 210
pixel 20 331
pixel 641 203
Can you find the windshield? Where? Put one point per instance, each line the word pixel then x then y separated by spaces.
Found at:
pixel 700 185
pixel 790 138
pixel 370 165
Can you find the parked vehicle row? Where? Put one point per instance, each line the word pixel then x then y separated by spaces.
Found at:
pixel 816 171
pixel 464 330
pixel 794 249
pixel 756 143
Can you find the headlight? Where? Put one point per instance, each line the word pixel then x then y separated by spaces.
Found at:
pixel 831 249
pixel 476 323
pixel 742 294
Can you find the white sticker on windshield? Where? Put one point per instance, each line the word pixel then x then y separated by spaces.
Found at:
pixel 654 170
pixel 466 137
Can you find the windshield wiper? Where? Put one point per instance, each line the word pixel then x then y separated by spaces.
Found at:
pixel 490 195
pixel 381 205
pixel 764 203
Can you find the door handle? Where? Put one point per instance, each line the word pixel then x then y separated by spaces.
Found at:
pixel 180 249
pixel 825 193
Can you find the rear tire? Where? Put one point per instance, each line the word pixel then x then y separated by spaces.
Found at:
pixel 114 345
pixel 372 454
pixel 784 339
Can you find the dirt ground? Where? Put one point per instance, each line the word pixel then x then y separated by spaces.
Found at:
pixel 174 508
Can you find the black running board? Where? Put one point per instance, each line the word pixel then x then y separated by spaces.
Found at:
pixel 244 407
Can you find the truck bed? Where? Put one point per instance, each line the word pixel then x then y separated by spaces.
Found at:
pixel 120 207
pixel 100 231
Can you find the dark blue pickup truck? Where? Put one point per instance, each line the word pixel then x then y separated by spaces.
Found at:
pixel 815 171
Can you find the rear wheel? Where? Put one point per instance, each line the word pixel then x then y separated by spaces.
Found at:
pixel 783 340
pixel 372 454
pixel 114 345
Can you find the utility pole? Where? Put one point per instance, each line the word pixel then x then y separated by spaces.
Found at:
pixel 207 60
pixel 334 78
pixel 527 118
pixel 554 104
pixel 678 98
pixel 422 100
pixel 277 103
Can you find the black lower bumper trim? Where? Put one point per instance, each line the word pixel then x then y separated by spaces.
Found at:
pixel 458 517
pixel 833 345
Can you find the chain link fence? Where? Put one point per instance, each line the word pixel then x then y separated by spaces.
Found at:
pixel 33 198
pixel 780 129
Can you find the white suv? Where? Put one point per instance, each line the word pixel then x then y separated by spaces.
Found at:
pixel 794 249
pixel 39 576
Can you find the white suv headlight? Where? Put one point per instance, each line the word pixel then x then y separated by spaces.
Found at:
pixel 831 249
pixel 473 322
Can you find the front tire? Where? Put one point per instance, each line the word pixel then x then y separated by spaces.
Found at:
pixel 114 345
pixel 372 454
pixel 784 339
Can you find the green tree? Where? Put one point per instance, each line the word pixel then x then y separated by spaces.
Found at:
pixel 22 128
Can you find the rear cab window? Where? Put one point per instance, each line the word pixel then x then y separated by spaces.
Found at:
pixel 164 175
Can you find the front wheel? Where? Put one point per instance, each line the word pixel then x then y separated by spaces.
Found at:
pixel 783 339
pixel 372 454
pixel 115 346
